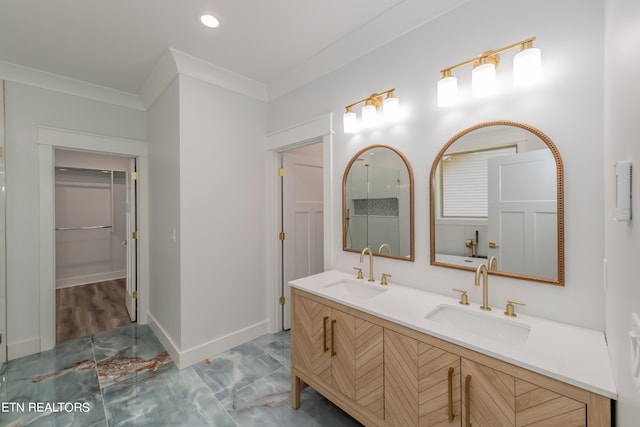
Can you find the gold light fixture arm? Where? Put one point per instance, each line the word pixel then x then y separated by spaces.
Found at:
pixel 374 99
pixel 489 56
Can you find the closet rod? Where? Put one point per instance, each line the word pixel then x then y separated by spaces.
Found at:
pixel 92 227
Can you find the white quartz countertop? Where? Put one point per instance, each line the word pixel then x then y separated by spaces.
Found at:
pixel 577 356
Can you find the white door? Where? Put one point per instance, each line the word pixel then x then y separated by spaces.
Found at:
pixel 302 213
pixel 523 213
pixel 132 242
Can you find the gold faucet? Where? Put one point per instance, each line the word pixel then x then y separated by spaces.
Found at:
pixel 482 270
pixel 493 264
pixel 365 250
pixel 384 245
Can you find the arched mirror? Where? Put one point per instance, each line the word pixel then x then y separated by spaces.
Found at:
pixel 497 199
pixel 377 203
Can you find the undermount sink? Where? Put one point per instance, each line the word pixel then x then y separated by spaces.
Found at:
pixel 363 290
pixel 484 324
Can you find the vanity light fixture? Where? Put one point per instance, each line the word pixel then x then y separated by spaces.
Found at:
pixel 386 100
pixel 526 70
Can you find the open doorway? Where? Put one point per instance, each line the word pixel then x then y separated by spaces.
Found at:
pixel 302 218
pixel 96 263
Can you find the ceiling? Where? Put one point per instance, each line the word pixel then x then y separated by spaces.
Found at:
pixel 281 43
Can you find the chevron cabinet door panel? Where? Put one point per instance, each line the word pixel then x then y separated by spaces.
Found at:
pixel 310 348
pixel 536 406
pixel 489 396
pixel 422 383
pixel 370 367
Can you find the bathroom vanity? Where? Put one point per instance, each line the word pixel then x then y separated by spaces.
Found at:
pixel 397 356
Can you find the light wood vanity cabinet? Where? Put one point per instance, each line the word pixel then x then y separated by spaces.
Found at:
pixel 385 374
pixel 422 383
pixel 339 351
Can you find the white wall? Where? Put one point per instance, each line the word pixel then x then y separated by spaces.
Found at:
pixel 207 157
pixel 622 239
pixel 222 198
pixel 26 108
pixel 566 105
pixel 164 213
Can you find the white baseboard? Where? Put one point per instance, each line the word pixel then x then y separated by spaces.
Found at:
pixel 186 358
pixel 23 348
pixel 199 353
pixel 91 278
pixel 164 338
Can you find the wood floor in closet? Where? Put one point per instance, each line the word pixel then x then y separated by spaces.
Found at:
pixel 87 309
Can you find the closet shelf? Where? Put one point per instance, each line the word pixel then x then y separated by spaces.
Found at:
pixel 91 227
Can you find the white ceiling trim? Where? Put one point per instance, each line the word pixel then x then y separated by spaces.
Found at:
pixel 42 79
pixel 162 74
pixel 174 62
pixel 197 68
pixel 399 20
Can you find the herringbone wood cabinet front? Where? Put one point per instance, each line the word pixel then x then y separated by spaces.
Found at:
pixel 385 374
pixel 342 351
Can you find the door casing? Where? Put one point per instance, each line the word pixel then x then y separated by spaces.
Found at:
pixel 48 140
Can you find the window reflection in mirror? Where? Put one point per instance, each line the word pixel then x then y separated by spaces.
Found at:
pixel 497 199
pixel 377 203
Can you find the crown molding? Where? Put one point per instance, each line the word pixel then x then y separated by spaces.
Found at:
pixel 219 76
pixel 162 74
pixel 170 64
pixel 401 19
pixel 174 62
pixel 42 79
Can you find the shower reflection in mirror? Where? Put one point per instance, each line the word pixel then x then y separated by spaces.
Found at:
pixel 378 203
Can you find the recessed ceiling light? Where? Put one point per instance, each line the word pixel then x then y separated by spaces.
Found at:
pixel 209 21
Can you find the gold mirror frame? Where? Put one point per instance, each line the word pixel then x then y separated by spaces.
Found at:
pixel 411 256
pixel 559 192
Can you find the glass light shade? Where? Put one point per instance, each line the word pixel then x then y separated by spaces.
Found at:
pixel 527 67
pixel 369 116
pixel 483 80
pixel 447 91
pixel 350 122
pixel 391 109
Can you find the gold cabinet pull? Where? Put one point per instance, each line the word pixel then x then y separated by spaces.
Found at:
pixel 450 380
pixel 324 330
pixel 467 400
pixel 333 349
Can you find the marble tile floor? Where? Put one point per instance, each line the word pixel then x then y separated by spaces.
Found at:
pixel 124 377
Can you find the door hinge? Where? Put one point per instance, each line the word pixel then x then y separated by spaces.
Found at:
pixel 281 171
pixel 281 236
pixel 134 175
pixel 134 235
pixel 134 294
pixel 282 300
pixel 0 338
